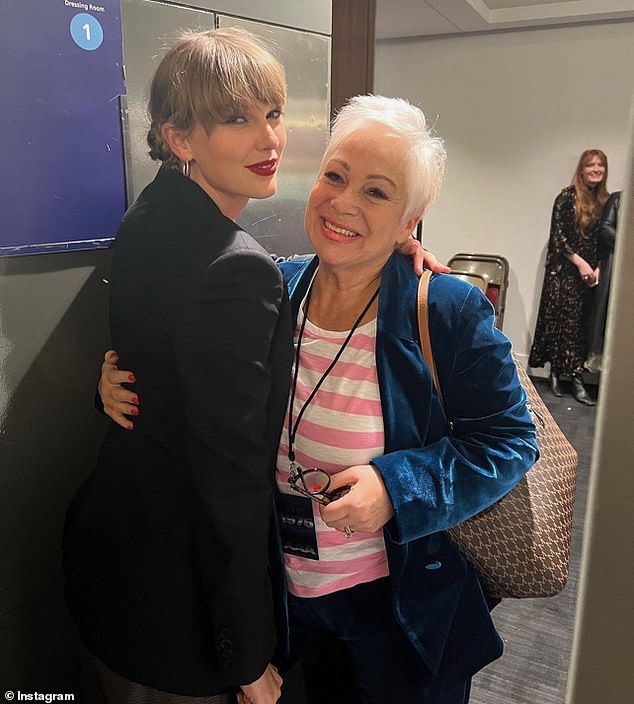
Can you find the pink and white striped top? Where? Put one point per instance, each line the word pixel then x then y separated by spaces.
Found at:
pixel 342 426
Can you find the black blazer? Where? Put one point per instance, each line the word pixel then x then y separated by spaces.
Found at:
pixel 165 546
pixel 607 228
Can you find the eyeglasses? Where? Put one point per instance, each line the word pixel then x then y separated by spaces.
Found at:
pixel 313 483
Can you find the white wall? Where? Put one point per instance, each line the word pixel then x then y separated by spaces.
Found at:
pixel 516 110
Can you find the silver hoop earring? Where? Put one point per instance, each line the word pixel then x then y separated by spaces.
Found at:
pixel 187 169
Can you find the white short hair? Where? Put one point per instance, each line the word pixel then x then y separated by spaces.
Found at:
pixel 426 156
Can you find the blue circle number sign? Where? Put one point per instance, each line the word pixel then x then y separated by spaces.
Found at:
pixel 86 31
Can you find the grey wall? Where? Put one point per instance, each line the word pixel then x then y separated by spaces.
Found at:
pixel 516 110
pixel 53 331
pixel 313 15
pixel 53 325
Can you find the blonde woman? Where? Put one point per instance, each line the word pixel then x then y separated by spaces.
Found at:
pixel 166 543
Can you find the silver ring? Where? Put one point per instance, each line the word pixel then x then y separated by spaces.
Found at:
pixel 348 531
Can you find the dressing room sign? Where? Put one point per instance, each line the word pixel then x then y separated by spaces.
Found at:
pixel 61 77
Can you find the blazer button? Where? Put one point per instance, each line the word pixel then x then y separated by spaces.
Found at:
pixel 435 565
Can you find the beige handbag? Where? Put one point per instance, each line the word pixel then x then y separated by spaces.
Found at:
pixel 520 546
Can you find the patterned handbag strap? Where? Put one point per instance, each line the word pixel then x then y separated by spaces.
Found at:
pixel 423 329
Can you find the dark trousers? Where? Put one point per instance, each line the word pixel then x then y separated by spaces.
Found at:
pixel 119 690
pixel 353 651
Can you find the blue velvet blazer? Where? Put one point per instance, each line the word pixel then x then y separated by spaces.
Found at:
pixel 436 481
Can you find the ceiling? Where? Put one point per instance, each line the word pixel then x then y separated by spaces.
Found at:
pixel 415 18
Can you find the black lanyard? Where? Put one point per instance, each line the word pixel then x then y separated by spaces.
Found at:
pixel 292 428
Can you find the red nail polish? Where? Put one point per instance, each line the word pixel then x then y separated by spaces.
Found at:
pixel 134 411
pixel 135 400
pixel 129 426
pixel 131 377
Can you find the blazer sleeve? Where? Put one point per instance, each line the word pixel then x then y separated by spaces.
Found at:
pixel 492 444
pixel 223 341
pixel 607 228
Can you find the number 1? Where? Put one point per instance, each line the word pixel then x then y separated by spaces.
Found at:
pixel 86 28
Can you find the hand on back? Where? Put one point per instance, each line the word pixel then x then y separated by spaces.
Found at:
pixel 118 402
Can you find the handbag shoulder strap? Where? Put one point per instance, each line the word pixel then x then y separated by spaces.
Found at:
pixel 423 329
pixel 535 404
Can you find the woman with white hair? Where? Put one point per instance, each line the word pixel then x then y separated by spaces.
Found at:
pixel 382 606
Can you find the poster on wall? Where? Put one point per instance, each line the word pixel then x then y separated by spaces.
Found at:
pixel 61 79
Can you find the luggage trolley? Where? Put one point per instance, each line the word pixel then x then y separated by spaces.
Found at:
pixel 493 269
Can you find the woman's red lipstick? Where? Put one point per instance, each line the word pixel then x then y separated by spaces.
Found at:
pixel 264 168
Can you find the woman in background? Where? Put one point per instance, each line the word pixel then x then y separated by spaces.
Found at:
pixel 598 318
pixel 561 332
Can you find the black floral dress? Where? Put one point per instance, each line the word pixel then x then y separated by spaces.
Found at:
pixel 561 332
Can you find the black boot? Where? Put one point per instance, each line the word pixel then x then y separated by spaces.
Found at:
pixel 553 382
pixel 580 392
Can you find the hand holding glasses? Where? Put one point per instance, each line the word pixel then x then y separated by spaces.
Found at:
pixel 314 483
